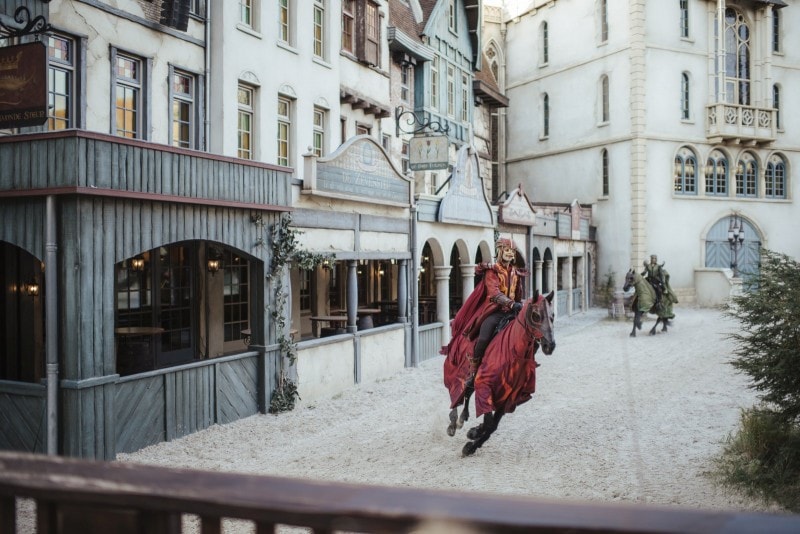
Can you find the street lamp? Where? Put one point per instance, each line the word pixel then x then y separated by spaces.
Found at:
pixel 735 240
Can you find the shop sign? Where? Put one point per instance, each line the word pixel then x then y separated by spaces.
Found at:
pixel 428 153
pixel 23 85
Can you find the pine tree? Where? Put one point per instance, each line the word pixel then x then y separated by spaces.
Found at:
pixel 768 344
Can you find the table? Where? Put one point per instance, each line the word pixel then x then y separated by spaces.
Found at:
pixel 335 321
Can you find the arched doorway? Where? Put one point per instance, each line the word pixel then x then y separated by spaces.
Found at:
pixel 721 254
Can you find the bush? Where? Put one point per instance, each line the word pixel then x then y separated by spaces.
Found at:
pixel 763 459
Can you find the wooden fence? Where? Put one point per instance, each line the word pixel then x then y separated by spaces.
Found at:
pixel 86 496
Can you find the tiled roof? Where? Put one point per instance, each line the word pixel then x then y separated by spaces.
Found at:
pixel 402 18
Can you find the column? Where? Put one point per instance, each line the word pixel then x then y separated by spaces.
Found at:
pixel 467 281
pixel 352 295
pixel 402 291
pixel 443 300
pixel 537 277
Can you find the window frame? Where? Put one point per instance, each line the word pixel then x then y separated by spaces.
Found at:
pixel 683 5
pixel 746 176
pixel 247 13
pixel 435 82
pixel 716 183
pixel 775 178
pixel 192 99
pixel 348 26
pixel 465 97
pixel 69 67
pixel 739 82
pixel 603 16
pixel 605 99
pixel 139 85
pixel 544 58
pixel 285 33
pixel 248 110
pixel 318 131
pixel 685 172
pixel 319 33
pixel 685 97
pixel 606 172
pixel 545 131
pixel 284 131
pixel 451 90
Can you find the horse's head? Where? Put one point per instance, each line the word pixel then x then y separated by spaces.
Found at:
pixel 537 315
pixel 630 280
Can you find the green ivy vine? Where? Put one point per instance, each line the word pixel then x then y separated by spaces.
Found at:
pixel 286 249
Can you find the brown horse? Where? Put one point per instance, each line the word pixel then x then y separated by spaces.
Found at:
pixel 507 375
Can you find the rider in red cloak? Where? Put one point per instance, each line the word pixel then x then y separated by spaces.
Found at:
pixel 499 293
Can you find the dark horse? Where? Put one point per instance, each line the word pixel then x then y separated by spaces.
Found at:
pixel 507 376
pixel 644 302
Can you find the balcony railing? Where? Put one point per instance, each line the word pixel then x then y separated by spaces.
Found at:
pixel 81 496
pixel 742 123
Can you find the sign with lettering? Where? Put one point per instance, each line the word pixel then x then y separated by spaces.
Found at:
pixel 361 170
pixel 23 85
pixel 427 153
pixel 517 209
pixel 465 201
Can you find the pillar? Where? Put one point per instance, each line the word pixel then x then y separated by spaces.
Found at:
pixel 443 300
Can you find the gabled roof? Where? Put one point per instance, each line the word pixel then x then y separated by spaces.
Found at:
pixel 473 9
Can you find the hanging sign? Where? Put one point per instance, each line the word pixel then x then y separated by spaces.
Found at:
pixel 23 85
pixel 428 153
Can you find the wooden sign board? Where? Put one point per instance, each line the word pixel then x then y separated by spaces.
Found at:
pixel 428 153
pixel 23 85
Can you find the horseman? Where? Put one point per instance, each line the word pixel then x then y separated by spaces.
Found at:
pixel 659 279
pixel 503 293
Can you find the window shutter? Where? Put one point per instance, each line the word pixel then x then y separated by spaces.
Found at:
pixel 175 14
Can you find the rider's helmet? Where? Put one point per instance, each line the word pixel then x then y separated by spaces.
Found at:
pixel 505 246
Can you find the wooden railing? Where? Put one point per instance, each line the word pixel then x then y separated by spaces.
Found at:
pixel 82 496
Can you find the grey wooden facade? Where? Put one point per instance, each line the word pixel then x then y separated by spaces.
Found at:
pixel 114 199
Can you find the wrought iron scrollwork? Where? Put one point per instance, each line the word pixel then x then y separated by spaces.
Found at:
pixel 27 25
pixel 415 124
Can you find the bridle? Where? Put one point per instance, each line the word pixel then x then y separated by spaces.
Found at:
pixel 531 326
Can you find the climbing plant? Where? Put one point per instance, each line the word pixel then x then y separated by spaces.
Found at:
pixel 285 250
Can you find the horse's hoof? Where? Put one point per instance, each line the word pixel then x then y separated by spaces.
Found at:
pixel 633 334
pixel 469 449
pixel 451 428
pixel 474 432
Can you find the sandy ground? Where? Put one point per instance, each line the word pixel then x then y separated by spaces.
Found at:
pixel 614 419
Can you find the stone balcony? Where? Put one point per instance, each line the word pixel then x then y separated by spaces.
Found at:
pixel 740 124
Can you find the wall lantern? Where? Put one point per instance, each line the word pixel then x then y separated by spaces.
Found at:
pixel 214 260
pixel 32 288
pixel 137 264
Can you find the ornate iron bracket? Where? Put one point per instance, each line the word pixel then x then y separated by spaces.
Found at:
pixel 415 124
pixel 28 25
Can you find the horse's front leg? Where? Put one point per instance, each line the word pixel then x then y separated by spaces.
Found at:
pixel 636 322
pixel 457 421
pixel 484 432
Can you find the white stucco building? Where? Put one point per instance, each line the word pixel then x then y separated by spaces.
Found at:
pixel 673 119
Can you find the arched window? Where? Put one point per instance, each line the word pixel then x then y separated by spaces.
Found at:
pixel 604 156
pixel 545 56
pixel 775 177
pixel 685 96
pixel 717 174
pixel 685 172
pixel 776 104
pixel 684 7
pixel 545 115
pixel 737 58
pixel 604 100
pixel 746 176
